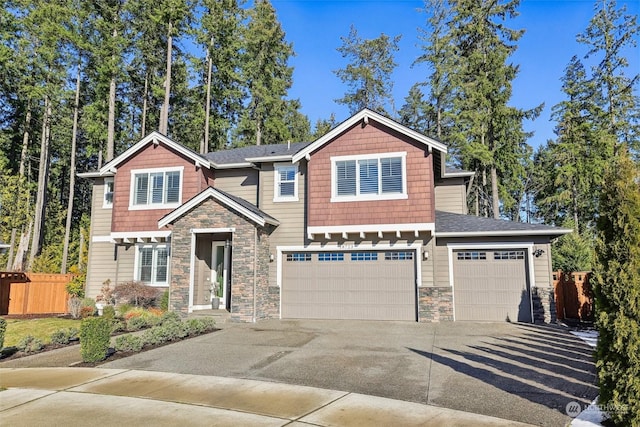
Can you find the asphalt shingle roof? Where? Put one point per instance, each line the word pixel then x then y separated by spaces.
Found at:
pixel 447 222
pixel 239 155
pixel 247 205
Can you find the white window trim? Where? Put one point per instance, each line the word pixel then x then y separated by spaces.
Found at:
pixel 105 204
pixel 276 183
pixel 365 197
pixel 149 206
pixel 136 264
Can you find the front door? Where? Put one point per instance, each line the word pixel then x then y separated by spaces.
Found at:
pixel 220 271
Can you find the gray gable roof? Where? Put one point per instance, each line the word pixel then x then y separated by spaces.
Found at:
pixel 458 225
pixel 249 206
pixel 240 155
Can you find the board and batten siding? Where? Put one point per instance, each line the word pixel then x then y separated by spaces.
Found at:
pixel 242 183
pixel 291 230
pixel 451 196
pixel 100 255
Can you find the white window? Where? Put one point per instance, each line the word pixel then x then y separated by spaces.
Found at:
pixel 152 264
pixel 107 201
pixel 285 183
pixel 369 177
pixel 156 188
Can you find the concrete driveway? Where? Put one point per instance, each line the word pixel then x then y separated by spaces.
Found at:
pixel 513 371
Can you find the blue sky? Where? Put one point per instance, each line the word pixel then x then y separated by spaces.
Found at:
pixel 315 27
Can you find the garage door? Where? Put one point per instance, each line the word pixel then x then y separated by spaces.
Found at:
pixel 376 285
pixel 491 285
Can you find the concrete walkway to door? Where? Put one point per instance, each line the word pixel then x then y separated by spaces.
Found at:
pixel 516 372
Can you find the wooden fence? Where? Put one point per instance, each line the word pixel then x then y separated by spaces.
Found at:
pixel 574 298
pixel 33 293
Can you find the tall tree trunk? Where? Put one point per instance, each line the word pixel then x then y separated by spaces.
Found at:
pixel 494 192
pixel 23 247
pixel 25 139
pixel 164 119
pixel 111 121
pixel 72 176
pixel 12 244
pixel 204 148
pixel 143 130
pixel 41 197
pixel 258 132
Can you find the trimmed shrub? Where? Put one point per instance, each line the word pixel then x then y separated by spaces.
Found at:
pixel 64 336
pixel 109 312
pixel 94 338
pixel 136 323
pixel 3 329
pixel 117 325
pixel 170 316
pixel 199 326
pixel 164 301
pixel 136 293
pixel 30 344
pixel 123 308
pixel 129 343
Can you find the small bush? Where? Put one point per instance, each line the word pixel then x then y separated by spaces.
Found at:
pixel 109 312
pixel 30 344
pixel 123 308
pixel 136 293
pixel 74 305
pixel 129 343
pixel 3 329
pixel 64 336
pixel 136 323
pixel 94 338
pixel 75 287
pixel 200 326
pixel 170 316
pixel 87 312
pixel 117 325
pixel 164 301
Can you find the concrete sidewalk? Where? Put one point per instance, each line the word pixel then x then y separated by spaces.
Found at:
pixel 115 397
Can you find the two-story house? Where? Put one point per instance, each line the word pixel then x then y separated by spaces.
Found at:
pixel 364 223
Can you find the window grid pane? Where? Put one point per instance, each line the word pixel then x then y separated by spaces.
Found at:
pixel 157 181
pixel 161 265
pixel 146 264
pixel 301 256
pixel 368 176
pixel 346 178
pixel 364 256
pixel 472 256
pixel 331 256
pixel 399 256
pixel 286 181
pixel 141 189
pixel 391 175
pixel 505 255
pixel 173 187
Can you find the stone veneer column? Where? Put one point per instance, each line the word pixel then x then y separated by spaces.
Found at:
pixel 212 214
pixel 435 304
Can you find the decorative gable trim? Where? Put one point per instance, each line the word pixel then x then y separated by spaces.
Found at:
pixel 364 116
pixel 211 192
pixel 155 138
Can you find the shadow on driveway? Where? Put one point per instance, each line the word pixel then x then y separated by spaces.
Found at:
pixel 542 365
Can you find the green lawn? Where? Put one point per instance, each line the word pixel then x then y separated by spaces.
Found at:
pixel 39 328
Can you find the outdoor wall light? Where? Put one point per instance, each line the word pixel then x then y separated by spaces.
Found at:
pixel 425 255
pixel 538 252
pixel 271 257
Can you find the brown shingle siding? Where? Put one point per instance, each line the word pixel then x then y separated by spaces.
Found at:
pixel 371 139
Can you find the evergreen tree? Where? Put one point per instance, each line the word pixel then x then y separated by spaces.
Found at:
pixel 609 33
pixel 368 73
pixel 220 36
pixel 267 77
pixel 417 113
pixel 617 292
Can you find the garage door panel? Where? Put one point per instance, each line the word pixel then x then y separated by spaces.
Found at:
pixel 488 287
pixel 349 289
